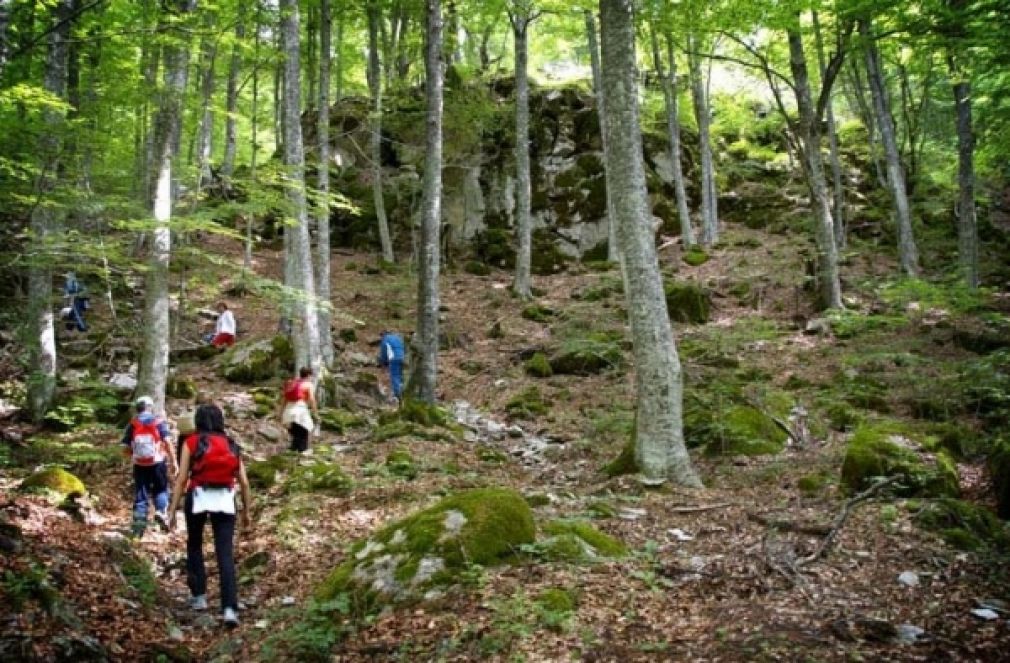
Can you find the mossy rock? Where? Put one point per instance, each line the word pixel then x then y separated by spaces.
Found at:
pixel 594 353
pixel 556 599
pixel 812 485
pixel 695 257
pixel 964 525
pixel 250 363
pixel 265 474
pixel 577 541
pixel 318 477
pixel 181 387
pixel 400 463
pixel 538 366
pixel 735 430
pixel 687 302
pixel 340 421
pixel 625 462
pixel 476 268
pixel 537 500
pixel 537 313
pixel 413 557
pixel 598 253
pixel 420 412
pixel 879 450
pixel 54 480
pixel 999 468
pixel 527 404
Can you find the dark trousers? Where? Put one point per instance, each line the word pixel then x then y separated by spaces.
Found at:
pixel 299 437
pixel 150 484
pixel 223 525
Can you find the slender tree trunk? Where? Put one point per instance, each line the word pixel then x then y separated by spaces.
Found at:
pixel 278 103
pixel 254 137
pixel 453 45
pixel 305 332
pixel 150 55
pixel 967 230
pixel 907 252
pixel 205 138
pixel 323 209
pixel 231 103
pixel 338 57
pixel 426 344
pixel 613 253
pixel 524 232
pixel 659 441
pixel 153 372
pixel 311 66
pixel 709 211
pixel 669 85
pixel 838 188
pixel 830 288
pixel 5 21
pixel 375 87
pixel 42 333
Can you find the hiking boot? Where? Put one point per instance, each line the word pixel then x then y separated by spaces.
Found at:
pixel 137 528
pixel 161 518
pixel 198 602
pixel 230 617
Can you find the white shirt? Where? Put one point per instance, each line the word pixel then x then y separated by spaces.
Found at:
pixel 225 323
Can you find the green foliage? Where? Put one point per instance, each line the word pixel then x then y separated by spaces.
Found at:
pixel 587 354
pixel 882 450
pixel 476 268
pixel 400 463
pixel 963 525
pixel 527 404
pixel 314 633
pixel 695 257
pixel 258 361
pixel 555 607
pixel 340 421
pixel 318 477
pixel 538 366
pixel 579 541
pixel 537 313
pixel 264 474
pixel 687 302
pixel 30 584
pixel 625 462
pixel 140 577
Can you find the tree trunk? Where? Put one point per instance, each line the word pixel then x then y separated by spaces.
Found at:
pixel 829 284
pixel 339 55
pixel 709 210
pixel 861 109
pixel 205 144
pixel 967 230
pixel 278 103
pixel 305 323
pixel 907 252
pixel 153 371
pixel 613 254
pixel 323 181
pixel 310 54
pixel 5 21
pixel 375 87
pixel 231 103
pixel 42 333
pixel 524 232
pixel 426 344
pixel 838 188
pixel 659 440
pixel 254 137
pixel 669 85
pixel 150 56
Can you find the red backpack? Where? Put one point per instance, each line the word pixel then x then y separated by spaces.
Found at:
pixel 293 390
pixel 215 461
pixel 146 443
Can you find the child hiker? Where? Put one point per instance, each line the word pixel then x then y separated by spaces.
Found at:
pixel 146 443
pixel 297 399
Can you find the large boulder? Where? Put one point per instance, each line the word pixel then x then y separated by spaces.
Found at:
pixel 734 430
pixel 412 558
pixel 249 363
pixel 54 480
pixel 882 450
pixel 593 353
pixel 687 302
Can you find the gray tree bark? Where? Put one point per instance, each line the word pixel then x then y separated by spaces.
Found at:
pixel 594 60
pixel 205 139
pixel 305 323
pixel 520 17
pixel 231 101
pixel 426 343
pixel 659 443
pixel 339 55
pixel 375 87
pixel 669 85
pixel 42 332
pixel 829 283
pixel 153 370
pixel 908 254
pixel 838 188
pixel 967 227
pixel 5 20
pixel 254 137
pixel 702 114
pixel 323 182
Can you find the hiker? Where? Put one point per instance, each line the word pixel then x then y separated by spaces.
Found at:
pixel 75 303
pixel 146 442
pixel 297 399
pixel 224 329
pixel 210 467
pixel 391 356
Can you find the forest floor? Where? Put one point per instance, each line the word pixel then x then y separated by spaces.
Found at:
pixel 707 579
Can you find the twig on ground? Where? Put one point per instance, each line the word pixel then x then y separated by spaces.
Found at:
pixel 789 525
pixel 700 507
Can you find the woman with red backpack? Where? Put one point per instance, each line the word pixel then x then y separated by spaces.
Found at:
pixel 297 408
pixel 210 467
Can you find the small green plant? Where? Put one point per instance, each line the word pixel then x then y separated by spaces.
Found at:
pixel 141 578
pixel 31 584
pixel 313 634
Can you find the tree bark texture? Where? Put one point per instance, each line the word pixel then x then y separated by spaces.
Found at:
pixel 42 332
pixel 659 443
pixel 967 227
pixel 908 254
pixel 829 283
pixel 702 114
pixel 375 88
pixel 838 188
pixel 231 101
pixel 205 140
pixel 524 205
pixel 5 21
pixel 594 60
pixel 305 323
pixel 426 345
pixel 323 183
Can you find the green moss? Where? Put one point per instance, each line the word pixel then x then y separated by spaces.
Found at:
pixel 348 335
pixel 264 474
pixel 842 417
pixel 687 302
pixel 537 499
pixel 874 451
pixel 527 404
pixel 55 480
pixel 695 257
pixel 476 268
pixel 812 485
pixel 318 477
pixel 578 541
pixel 963 525
pixel 486 454
pixel 538 366
pixel 250 363
pixel 625 462
pixel 546 258
pixel 420 412
pixel 181 387
pixel 599 265
pixel 340 421
pixel 589 354
pixel 400 463
pixel 556 599
pixel 733 430
pixel 537 313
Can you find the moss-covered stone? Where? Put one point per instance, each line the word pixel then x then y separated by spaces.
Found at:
pixel 593 353
pixel 538 366
pixel 578 541
pixel 428 549
pixel 420 412
pixel 265 474
pixel 249 363
pixel 340 421
pixel 625 462
pixel 732 430
pixel 180 387
pixel 476 268
pixel 527 404
pixel 880 450
pixel 556 599
pixel 963 525
pixel 538 499
pixel 537 313
pixel 54 480
pixel 318 477
pixel 695 257
pixel 400 463
pixel 687 302
pixel 812 485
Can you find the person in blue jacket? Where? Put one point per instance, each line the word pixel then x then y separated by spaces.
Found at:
pixel 391 356
pixel 150 473
pixel 76 303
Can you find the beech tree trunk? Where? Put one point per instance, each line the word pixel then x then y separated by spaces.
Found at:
pixel 42 332
pixel 375 87
pixel 254 137
pixel 829 283
pixel 908 254
pixel 323 182
pixel 5 20
pixel 702 114
pixel 669 85
pixel 659 442
pixel 838 188
pixel 339 55
pixel 231 102
pixel 305 323
pixel 153 370
pixel 426 343
pixel 205 140
pixel 967 227
pixel 594 60
pixel 522 287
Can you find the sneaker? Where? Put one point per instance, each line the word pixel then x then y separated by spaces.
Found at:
pixel 161 518
pixel 230 617
pixel 198 602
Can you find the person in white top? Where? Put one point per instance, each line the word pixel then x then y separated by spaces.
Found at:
pixel 224 331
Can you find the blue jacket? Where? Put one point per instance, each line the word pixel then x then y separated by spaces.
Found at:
pixel 390 349
pixel 145 417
